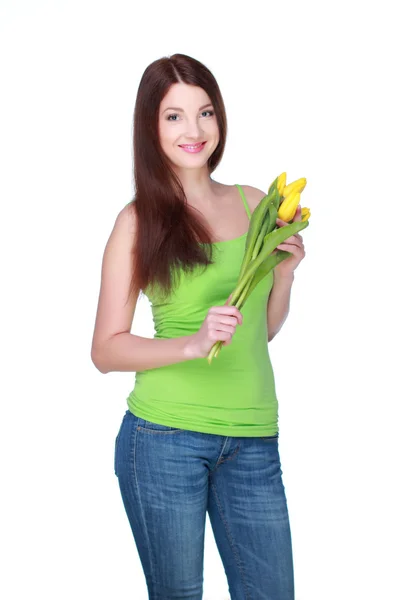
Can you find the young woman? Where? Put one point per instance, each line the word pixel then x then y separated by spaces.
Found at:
pixel 196 437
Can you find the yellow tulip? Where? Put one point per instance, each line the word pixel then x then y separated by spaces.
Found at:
pixel 305 214
pixel 281 183
pixel 288 208
pixel 297 186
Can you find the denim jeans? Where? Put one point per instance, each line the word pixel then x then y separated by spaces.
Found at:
pixel 169 478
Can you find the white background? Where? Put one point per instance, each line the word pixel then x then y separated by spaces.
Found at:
pixel 309 89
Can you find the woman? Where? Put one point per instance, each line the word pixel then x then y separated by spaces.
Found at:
pixel 196 437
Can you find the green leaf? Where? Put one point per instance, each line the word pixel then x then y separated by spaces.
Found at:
pixel 271 241
pixel 265 267
pixel 256 222
pixel 273 214
pixel 273 185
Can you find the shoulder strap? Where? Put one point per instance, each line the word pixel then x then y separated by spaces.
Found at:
pixel 244 200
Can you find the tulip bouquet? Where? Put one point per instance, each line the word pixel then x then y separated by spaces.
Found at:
pixel 263 238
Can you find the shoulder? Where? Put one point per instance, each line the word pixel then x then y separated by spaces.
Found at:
pixel 126 220
pixel 253 196
pixel 123 234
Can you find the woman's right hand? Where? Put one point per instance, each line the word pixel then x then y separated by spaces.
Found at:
pixel 219 325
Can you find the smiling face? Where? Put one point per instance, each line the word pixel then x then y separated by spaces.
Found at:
pixel 186 117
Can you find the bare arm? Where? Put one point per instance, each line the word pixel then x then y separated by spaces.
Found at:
pixel 128 352
pixel 278 304
pixel 114 348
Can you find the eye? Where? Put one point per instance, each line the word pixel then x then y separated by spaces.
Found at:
pixel 211 112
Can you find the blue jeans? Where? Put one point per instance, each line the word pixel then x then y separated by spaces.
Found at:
pixel 169 478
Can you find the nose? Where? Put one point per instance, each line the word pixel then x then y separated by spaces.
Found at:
pixel 194 130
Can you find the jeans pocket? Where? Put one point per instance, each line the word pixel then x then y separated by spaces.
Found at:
pixel 150 427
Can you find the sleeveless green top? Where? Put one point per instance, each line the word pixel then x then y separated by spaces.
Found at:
pixel 235 394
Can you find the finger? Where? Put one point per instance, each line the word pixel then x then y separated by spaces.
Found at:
pixel 230 296
pixel 295 250
pixel 280 222
pixel 294 241
pixel 293 247
pixel 297 216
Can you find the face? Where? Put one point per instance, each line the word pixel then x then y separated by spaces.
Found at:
pixel 191 120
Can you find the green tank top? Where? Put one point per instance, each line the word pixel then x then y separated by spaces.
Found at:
pixel 235 394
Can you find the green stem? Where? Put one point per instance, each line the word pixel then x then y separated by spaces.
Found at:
pixel 268 265
pixel 242 298
pixel 261 235
pixel 214 351
pixel 271 241
pixel 256 221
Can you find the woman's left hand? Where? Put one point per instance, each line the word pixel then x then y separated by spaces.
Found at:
pixel 293 244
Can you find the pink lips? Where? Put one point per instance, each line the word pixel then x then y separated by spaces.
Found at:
pixel 194 150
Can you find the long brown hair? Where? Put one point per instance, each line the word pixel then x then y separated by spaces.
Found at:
pixel 169 234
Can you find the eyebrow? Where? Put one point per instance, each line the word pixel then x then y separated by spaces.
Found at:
pixel 181 109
